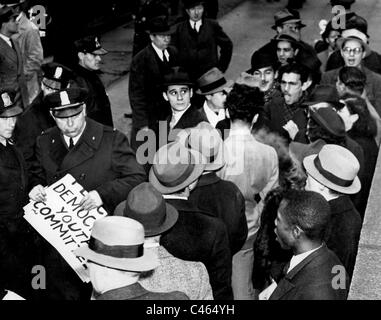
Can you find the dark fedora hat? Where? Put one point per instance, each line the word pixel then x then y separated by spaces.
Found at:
pixel 261 60
pixel 289 37
pixel 6 13
pixel 159 25
pixel 192 3
pixel 329 119
pixel 9 107
pixel 287 16
pixel 66 103
pixel 212 81
pixel 146 205
pixel 177 76
pixel 324 93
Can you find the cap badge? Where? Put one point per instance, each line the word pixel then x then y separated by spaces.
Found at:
pixel 64 98
pixel 6 99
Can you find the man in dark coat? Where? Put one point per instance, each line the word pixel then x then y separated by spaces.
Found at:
pixel 98 106
pixel 333 174
pixel 11 61
pixel 197 235
pixel 201 42
pixel 212 194
pixel 97 156
pixel 37 118
pixel 146 78
pixel 17 251
pixel 300 225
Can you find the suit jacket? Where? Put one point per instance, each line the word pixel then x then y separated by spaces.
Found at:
pixel 224 200
pixel 137 292
pixel 197 236
pixel 11 70
pixel 145 87
pixel 343 232
pixel 198 51
pixel 311 279
pixel 190 277
pixel 98 105
pixel 29 41
pixel 372 86
pixel 100 149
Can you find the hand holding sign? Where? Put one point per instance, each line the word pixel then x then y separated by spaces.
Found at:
pixel 38 193
pixel 90 201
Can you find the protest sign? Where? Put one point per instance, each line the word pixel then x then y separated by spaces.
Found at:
pixel 62 222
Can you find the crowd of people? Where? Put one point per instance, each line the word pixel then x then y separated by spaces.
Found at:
pixel 244 189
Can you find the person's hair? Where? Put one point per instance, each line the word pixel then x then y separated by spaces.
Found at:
pixel 296 68
pixel 244 102
pixel 365 126
pixel 316 131
pixel 293 45
pixel 353 78
pixel 308 210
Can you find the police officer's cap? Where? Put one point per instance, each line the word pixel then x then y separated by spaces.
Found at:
pixel 91 45
pixel 66 103
pixel 56 76
pixel 9 106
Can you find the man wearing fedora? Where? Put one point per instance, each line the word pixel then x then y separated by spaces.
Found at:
pixel 354 48
pixel 287 48
pixel 212 194
pixel 146 205
pixel 148 68
pixel 89 52
pixel 302 220
pixel 11 60
pixel 37 118
pixel 17 242
pixel 81 147
pixel 197 235
pixel 201 42
pixel 116 257
pixel 214 87
pixel 333 173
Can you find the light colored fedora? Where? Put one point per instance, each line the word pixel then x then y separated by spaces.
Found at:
pixel 117 243
pixel 175 167
pixel 146 205
pixel 334 167
pixel 212 81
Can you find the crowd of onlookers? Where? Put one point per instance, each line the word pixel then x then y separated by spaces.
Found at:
pixel 248 189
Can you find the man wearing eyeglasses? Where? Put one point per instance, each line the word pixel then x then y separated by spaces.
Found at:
pixel 90 53
pixel 354 48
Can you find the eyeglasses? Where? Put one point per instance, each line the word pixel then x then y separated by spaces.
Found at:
pixel 355 51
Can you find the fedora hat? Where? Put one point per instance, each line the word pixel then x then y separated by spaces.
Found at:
pixel 159 25
pixel 287 16
pixel 192 3
pixel 261 60
pixel 324 93
pixel 66 103
pixel 212 81
pixel 175 167
pixel 354 34
pixel 334 167
pixel 146 205
pixel 8 105
pixel 329 119
pixel 177 76
pixel 6 12
pixel 205 139
pixel 117 243
pixel 289 37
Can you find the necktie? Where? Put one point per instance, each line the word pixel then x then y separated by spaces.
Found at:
pixel 71 143
pixel 165 60
pixel 194 26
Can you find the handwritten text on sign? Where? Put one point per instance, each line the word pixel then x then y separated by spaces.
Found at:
pixel 62 222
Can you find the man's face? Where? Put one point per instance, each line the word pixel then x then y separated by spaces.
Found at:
pixel 332 37
pixel 161 41
pixel 283 230
pixel 217 100
pixel 7 125
pixel 91 61
pixel 72 126
pixel 291 87
pixel 284 52
pixel 290 28
pixel 11 26
pixel 352 53
pixel 178 96
pixel 196 12
pixel 266 77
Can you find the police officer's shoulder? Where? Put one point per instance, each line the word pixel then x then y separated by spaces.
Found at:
pixel 48 131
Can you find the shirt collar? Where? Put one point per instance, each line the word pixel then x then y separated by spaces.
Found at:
pixel 160 52
pixel 176 115
pixel 198 24
pixel 213 117
pixel 75 139
pixel 295 260
pixel 6 39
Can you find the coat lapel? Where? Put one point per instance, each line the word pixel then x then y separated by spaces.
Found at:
pixel 9 53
